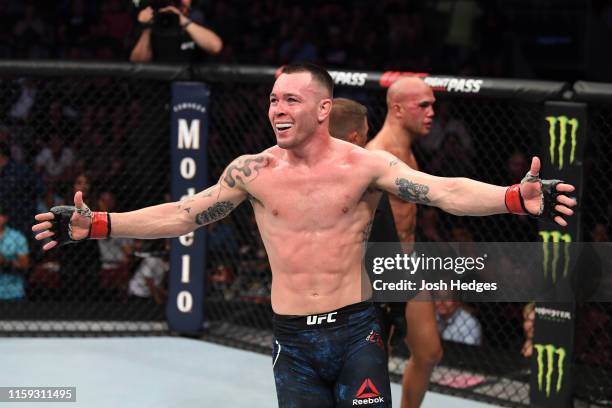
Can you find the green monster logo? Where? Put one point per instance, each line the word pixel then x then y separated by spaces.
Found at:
pixel 561 123
pixel 548 352
pixel 555 237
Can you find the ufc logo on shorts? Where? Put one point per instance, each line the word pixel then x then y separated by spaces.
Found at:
pixel 318 319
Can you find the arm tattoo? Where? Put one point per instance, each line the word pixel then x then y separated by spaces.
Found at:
pixel 184 204
pixel 238 172
pixel 393 163
pixel 214 213
pixel 413 192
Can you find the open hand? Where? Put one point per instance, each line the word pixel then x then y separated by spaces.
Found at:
pixel 79 224
pixel 531 191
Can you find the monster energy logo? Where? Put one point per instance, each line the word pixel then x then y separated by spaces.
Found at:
pixel 562 123
pixel 555 238
pixel 547 352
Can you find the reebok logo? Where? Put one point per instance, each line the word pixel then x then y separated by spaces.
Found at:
pixel 368 394
pixel 318 319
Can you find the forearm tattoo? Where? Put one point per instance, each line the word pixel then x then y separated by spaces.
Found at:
pixel 214 213
pixel 244 171
pixel 412 192
pixel 185 204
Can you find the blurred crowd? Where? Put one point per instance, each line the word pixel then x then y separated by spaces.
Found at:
pixel 546 40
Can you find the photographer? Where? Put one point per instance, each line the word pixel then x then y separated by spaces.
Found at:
pixel 169 34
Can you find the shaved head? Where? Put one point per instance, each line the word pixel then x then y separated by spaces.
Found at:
pixel 410 105
pixel 404 89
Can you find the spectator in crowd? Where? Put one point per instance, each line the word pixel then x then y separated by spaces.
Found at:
pixel 518 165
pixel 148 280
pixel 443 127
pixel 17 151
pixel 456 323
pixel 55 162
pixel 14 260
pixel 297 47
pixel 114 255
pixel 173 34
pixel 528 321
pixel 22 107
pixel 19 190
pixel 32 35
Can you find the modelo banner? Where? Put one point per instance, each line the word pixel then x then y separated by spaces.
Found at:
pixel 564 136
pixel 189 135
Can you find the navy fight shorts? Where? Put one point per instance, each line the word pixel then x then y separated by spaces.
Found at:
pixel 333 359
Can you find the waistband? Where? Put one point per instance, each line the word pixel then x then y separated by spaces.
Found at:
pixel 330 319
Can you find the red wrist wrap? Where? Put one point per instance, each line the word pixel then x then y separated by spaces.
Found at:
pixel 514 201
pixel 100 225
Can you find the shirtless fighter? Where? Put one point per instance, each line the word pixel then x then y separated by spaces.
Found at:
pixel 307 193
pixel 410 114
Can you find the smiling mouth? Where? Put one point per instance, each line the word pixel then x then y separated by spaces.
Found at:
pixel 281 127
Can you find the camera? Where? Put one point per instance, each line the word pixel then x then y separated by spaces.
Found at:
pixel 161 20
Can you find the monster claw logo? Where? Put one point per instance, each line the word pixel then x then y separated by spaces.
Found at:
pixel 555 238
pixel 559 125
pixel 546 366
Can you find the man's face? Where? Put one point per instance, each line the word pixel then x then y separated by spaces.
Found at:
pixel 446 308
pixel 295 108
pixel 82 184
pixel 419 112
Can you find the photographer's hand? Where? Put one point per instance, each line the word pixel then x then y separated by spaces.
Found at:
pixel 204 38
pixel 146 16
pixel 183 19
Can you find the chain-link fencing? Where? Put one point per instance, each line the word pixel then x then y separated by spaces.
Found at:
pixel 106 136
pixel 109 136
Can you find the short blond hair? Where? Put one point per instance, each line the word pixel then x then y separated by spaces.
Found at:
pixel 346 116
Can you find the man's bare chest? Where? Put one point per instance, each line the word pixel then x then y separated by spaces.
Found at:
pixel 318 197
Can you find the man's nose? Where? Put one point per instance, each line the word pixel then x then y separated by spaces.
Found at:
pixel 279 110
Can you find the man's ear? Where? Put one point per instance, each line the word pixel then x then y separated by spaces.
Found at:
pixel 325 107
pixel 397 110
pixel 353 137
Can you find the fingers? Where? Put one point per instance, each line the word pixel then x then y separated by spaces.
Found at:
pixel 559 220
pixel 41 226
pixel 566 188
pixel 564 210
pixel 169 8
pixel 44 235
pixel 49 245
pixel 565 200
pixel 78 199
pixel 534 170
pixel 44 217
